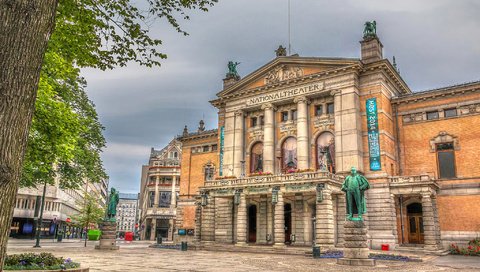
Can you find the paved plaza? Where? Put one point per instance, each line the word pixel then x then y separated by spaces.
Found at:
pixel 138 256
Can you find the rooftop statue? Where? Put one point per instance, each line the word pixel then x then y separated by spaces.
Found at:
pixel 281 51
pixel 370 29
pixel 232 69
pixel 354 187
pixel 112 205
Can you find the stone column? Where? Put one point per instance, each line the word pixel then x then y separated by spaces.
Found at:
pixel 198 223
pixel 242 221
pixel 238 148
pixel 429 222
pixel 268 138
pixel 325 224
pixel 279 222
pixel 208 220
pixel 302 132
pixel 269 220
pixel 348 130
pixel 153 232
pixel 438 237
pixel 156 197
pixel 173 201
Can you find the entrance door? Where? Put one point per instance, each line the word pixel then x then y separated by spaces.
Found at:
pixel 288 222
pixel 415 223
pixel 252 224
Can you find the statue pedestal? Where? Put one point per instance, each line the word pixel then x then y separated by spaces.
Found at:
pixel 109 235
pixel 356 248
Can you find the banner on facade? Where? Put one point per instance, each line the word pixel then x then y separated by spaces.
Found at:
pixel 222 135
pixel 373 139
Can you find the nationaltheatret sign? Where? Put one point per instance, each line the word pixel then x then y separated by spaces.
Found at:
pixel 286 93
pixel 373 143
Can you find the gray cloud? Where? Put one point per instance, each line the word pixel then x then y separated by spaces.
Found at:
pixel 436 43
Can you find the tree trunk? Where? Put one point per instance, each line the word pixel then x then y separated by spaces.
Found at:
pixel 25 27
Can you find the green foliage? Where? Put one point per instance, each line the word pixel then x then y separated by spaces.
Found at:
pixel 42 261
pixel 65 139
pixel 472 249
pixel 90 213
pixel 105 33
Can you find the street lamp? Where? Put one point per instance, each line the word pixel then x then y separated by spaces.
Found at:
pixel 40 219
pixel 236 198
pixel 320 188
pixel 275 195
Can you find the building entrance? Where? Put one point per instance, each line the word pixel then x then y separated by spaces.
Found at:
pixel 288 223
pixel 415 223
pixel 252 224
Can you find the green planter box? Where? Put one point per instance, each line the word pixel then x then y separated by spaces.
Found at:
pixel 94 234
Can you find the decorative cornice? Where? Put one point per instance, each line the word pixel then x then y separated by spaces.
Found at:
pixel 453 90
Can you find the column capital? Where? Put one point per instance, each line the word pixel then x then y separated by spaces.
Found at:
pixel 301 99
pixel 239 113
pixel 426 195
pixel 268 106
pixel 335 92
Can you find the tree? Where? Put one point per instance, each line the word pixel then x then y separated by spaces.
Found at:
pixel 90 213
pixel 96 33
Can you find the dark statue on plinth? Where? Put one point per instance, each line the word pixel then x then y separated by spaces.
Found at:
pixel 370 30
pixel 232 70
pixel 112 205
pixel 354 187
pixel 281 51
pixel 109 224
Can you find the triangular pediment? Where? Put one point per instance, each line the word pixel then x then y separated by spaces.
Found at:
pixel 286 68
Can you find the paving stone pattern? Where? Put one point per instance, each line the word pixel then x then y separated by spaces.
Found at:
pixel 141 258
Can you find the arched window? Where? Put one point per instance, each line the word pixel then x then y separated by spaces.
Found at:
pixel 289 154
pixel 326 152
pixel 256 158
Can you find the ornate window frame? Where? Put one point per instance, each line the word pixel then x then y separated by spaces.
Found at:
pixel 444 137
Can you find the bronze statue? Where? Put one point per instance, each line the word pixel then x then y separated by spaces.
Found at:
pixel 354 187
pixel 370 29
pixel 112 205
pixel 281 51
pixel 232 69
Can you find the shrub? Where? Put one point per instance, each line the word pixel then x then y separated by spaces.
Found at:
pixel 473 248
pixel 41 261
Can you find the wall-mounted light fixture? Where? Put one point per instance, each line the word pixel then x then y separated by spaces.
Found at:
pixel 320 188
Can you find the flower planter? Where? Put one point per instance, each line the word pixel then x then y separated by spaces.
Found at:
pixel 80 269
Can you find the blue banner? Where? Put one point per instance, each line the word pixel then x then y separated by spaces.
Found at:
pixel 373 141
pixel 222 135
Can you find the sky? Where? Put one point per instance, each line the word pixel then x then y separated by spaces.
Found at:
pixel 436 43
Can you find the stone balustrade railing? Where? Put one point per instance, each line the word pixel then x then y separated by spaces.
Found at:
pixel 274 179
pixel 410 179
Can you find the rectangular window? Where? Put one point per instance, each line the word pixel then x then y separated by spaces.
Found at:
pixel 253 121
pixel 209 173
pixel 330 108
pixel 206 148
pixel 214 147
pixel 151 199
pixel 294 114
pixel 262 120
pixel 446 160
pixel 318 110
pixel 432 115
pixel 450 113
pixel 284 116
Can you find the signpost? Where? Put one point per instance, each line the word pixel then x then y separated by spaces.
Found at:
pixel 373 141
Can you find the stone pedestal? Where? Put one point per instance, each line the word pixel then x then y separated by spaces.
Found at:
pixel 356 248
pixel 108 238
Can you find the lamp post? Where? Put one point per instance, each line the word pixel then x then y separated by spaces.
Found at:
pixel 40 219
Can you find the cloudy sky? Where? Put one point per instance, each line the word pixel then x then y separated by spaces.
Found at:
pixel 436 43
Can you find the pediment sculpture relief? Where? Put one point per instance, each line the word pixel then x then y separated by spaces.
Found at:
pixel 283 73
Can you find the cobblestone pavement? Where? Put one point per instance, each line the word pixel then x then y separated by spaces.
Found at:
pixel 138 257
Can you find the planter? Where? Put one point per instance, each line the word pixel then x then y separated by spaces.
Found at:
pixel 60 270
pixel 94 234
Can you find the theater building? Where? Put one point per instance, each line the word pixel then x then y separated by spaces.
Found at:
pixel 290 131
